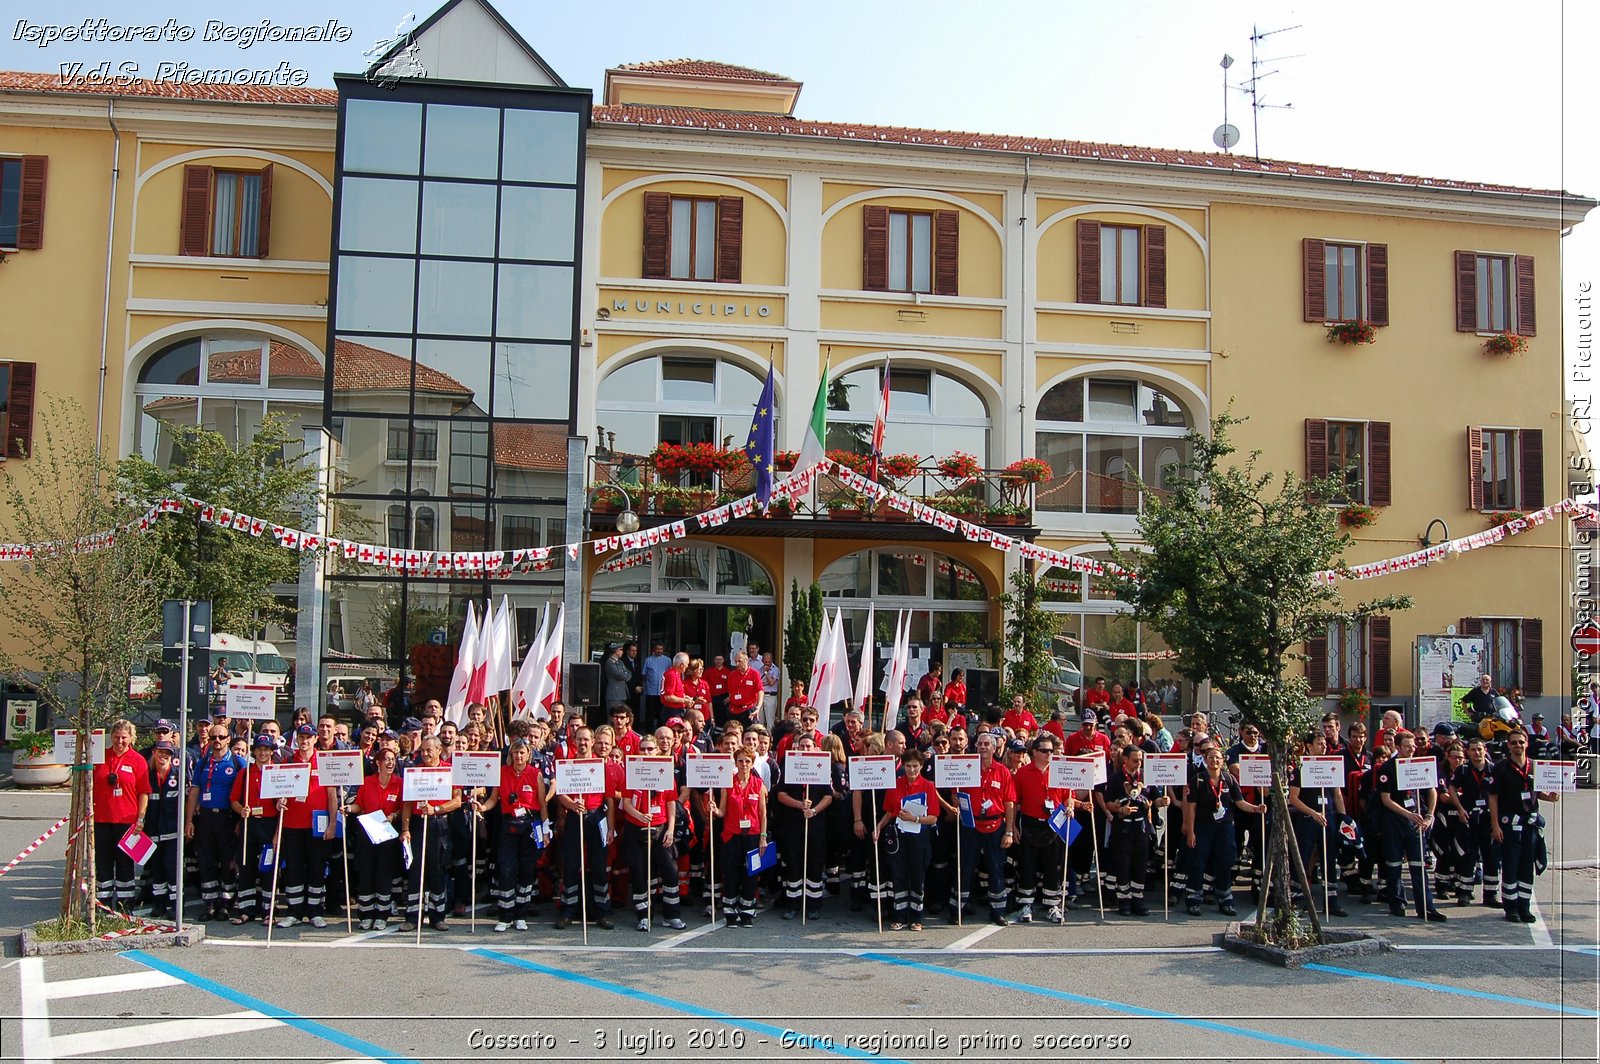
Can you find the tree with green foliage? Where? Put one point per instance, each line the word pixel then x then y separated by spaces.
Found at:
pixel 80 608
pixel 1228 578
pixel 262 477
pixel 1029 629
pixel 804 629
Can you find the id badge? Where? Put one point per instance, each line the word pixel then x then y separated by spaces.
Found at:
pixel 1482 803
pixel 1049 806
pixel 1219 812
pixel 257 810
pixel 1527 796
pixel 744 825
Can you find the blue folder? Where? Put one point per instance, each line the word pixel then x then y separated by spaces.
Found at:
pixel 761 859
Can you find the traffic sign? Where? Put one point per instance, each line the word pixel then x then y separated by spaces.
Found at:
pixel 1586 639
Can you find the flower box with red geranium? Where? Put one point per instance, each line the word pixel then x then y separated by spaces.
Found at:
pixel 960 466
pixel 1504 517
pixel 1506 343
pixel 1352 332
pixel 1356 515
pixel 849 459
pixel 899 466
pixel 1356 701
pixel 784 461
pixel 1029 470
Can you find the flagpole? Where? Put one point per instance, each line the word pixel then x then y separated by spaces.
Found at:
pixel 277 863
pixel 422 878
pixel 711 853
pixel 805 853
pixel 1065 849
pixel 1094 827
pixel 960 904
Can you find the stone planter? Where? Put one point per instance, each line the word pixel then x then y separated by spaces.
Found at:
pixel 1336 944
pixel 39 771
pixel 31 945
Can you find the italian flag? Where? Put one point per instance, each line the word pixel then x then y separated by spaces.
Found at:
pixel 811 449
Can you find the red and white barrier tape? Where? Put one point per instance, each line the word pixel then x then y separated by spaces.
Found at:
pixel 38 842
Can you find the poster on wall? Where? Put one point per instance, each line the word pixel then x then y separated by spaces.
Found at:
pixel 1447 666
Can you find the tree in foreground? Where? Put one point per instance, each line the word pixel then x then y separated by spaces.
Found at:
pixel 80 609
pixel 1228 580
pixel 804 629
pixel 1029 628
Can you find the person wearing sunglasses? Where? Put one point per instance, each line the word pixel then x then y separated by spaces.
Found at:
pixel 1514 812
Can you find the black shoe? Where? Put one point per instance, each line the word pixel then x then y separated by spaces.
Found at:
pixel 1434 916
pixel 1463 900
pixel 1335 909
pixel 563 922
pixel 857 904
pixel 604 923
pixel 1227 909
pixel 1528 917
pixel 1491 901
pixel 746 920
pixel 733 920
pixel 998 918
pixel 1140 909
pixel 1124 908
pixel 1194 908
pixel 1396 909
pixel 1513 917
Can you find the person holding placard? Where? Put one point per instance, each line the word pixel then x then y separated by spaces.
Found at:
pixel 260 817
pixel 380 879
pixel 1040 852
pixel 1452 837
pixel 1209 806
pixel 742 808
pixel 1315 813
pixel 305 852
pixel 427 898
pixel 991 807
pixel 649 825
pixel 1408 817
pixel 913 808
pixel 1130 805
pixel 521 797
pixel 1514 812
pixel 582 817
pixel 1249 833
pixel 802 832
pixel 209 821
pixel 163 816
pixel 121 795
pixel 1472 784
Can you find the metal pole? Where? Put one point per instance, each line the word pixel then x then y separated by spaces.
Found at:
pixel 183 758
pixel 583 865
pixel 805 853
pixel 277 863
pixel 1099 888
pixel 422 877
pixel 877 859
pixel 711 853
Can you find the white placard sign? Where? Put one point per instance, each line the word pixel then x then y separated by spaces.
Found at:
pixel 66 746
pixel 251 701
pixel 1072 773
pixel 1255 770
pixel 874 772
pixel 958 770
pixel 1099 757
pixel 1555 775
pixel 584 775
pixel 475 768
pixel 285 781
pixel 650 774
pixel 1325 770
pixel 1166 770
pixel 808 767
pixel 1417 773
pixel 707 771
pixel 339 768
pixel 427 784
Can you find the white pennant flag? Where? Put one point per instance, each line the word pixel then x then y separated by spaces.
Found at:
pixel 500 643
pixel 895 682
pixel 532 664
pixel 821 661
pixel 863 691
pixel 455 706
pixel 546 687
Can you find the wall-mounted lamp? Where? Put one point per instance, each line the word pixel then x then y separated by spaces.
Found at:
pixel 1426 539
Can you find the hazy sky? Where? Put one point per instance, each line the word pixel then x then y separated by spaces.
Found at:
pixel 1483 91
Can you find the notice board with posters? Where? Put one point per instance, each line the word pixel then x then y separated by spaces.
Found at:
pixel 1447 666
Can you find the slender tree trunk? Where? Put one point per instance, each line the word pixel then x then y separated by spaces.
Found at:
pixel 1281 805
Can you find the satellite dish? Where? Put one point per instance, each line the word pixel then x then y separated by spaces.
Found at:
pixel 1225 136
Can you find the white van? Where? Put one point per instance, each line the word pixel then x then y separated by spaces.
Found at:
pixel 249 661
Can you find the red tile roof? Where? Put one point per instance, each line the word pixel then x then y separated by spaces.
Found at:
pixel 357 367
pixel 702 68
pixel 27 81
pixel 854 132
pixel 536 447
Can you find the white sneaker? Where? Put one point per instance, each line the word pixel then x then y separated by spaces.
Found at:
pixel 502 927
pixel 319 922
pixel 287 921
pixel 644 925
pixel 380 925
pixel 364 925
pixel 1054 915
pixel 676 923
pixel 1025 915
pixel 521 925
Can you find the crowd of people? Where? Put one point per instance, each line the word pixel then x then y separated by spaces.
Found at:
pixel 1028 850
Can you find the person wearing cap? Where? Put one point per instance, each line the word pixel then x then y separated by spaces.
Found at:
pixel 521 798
pixel 1040 851
pixel 164 731
pixel 305 849
pixel 380 876
pixel 209 821
pixel 1016 754
pixel 260 817
pixel 1517 825
pixel 163 816
pixel 1130 806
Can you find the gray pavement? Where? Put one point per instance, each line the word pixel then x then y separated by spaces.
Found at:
pixel 1476 988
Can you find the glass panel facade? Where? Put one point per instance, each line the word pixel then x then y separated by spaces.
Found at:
pixel 537 223
pixel 375 294
pixel 378 215
pixel 382 136
pixel 458 219
pixel 455 297
pixel 463 142
pixel 541 146
pixel 535 302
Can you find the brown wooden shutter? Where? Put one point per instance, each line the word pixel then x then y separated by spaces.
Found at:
pixel 1155 265
pixel 730 239
pixel 1316 448
pixel 194 222
pixel 1466 292
pixel 264 219
pixel 1530 469
pixel 1378 484
pixel 1379 674
pixel 1317 664
pixel 1088 261
pixel 657 214
pixel 946 253
pixel 30 213
pixel 1378 284
pixel 1471 627
pixel 875 248
pixel 1315 271
pixel 1474 468
pixel 1532 656
pixel 19 410
pixel 1526 316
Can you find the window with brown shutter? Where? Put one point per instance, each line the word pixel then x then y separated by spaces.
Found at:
pixel 1155 265
pixel 1316 448
pixel 693 232
pixel 1495 293
pixel 1344 281
pixel 22 181
pixel 657 206
pixel 1317 664
pixel 1470 627
pixel 1088 261
pixel 1532 656
pixel 1466 292
pixel 1474 468
pixel 1313 270
pixel 875 248
pixel 19 410
pixel 1526 312
pixel 1379 492
pixel 1506 467
pixel 226 213
pixel 1125 265
pixel 730 239
pixel 946 253
pixel 1530 469
pixel 1381 672
pixel 1378 284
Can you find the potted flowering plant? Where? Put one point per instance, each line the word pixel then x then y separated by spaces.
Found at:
pixel 1506 343
pixel 849 459
pixel 959 466
pixel 782 506
pixel 1029 470
pixel 784 461
pixel 1504 517
pixel 33 762
pixel 899 466
pixel 1352 332
pixel 961 505
pixel 846 506
pixel 1355 515
pixel 701 459
pixel 1005 513
pixel 1354 700
pixel 608 501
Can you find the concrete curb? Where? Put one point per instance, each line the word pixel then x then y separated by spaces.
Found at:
pixel 30 945
pixel 1339 944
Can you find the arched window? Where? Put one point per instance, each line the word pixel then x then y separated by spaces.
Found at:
pixel 930 413
pixel 677 398
pixel 948 599
pixel 1097 433
pixel 1095 635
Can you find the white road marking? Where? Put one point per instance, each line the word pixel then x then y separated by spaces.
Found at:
pixel 35 1011
pixel 786 951
pixel 108 984
pixel 975 937
pixel 1541 932
pixel 111 1039
pixel 682 937
pixel 362 936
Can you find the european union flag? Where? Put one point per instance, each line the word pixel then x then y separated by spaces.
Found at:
pixel 760 447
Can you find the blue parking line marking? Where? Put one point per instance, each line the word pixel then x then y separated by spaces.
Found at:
pixel 1548 1006
pixel 818 1043
pixel 292 1019
pixel 1131 1010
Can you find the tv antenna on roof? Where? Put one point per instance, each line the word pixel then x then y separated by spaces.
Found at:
pixel 1252 87
pixel 1225 136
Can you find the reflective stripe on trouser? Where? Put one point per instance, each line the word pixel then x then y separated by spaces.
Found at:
pixel 214 848
pixel 1040 853
pixel 1130 857
pixel 1211 862
pixel 253 882
pixel 663 867
pixel 572 864
pixel 304 872
pixel 380 884
pixel 163 870
pixel 1485 850
pixel 982 846
pixel 116 881
pixel 910 860
pixel 803 863
pixel 428 878
pixel 738 885
pixel 1403 843
pixel 516 863
pixel 1516 854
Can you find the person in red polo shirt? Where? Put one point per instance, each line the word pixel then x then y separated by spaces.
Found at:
pixel 675 698
pixel 1120 705
pixel 744 691
pixel 1096 695
pixel 716 678
pixel 955 696
pixel 649 822
pixel 521 797
pixel 305 862
pixel 378 865
pixel 260 817
pixel 1018 719
pixel 1041 854
pixel 121 796
pixel 993 808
